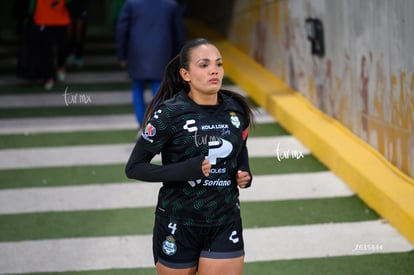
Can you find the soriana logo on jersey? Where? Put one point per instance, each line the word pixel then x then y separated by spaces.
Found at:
pixel 149 132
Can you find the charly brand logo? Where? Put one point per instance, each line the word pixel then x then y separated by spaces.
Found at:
pixel 76 98
pixel 190 126
pixel 287 154
pixel 233 237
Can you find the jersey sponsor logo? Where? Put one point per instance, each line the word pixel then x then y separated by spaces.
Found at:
pixel 218 170
pixel 149 132
pixel 190 126
pixel 168 246
pixel 214 126
pixel 217 182
pixel 219 148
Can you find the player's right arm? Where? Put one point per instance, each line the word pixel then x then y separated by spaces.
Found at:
pixel 139 167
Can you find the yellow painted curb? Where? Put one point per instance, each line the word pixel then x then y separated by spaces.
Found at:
pixel 376 181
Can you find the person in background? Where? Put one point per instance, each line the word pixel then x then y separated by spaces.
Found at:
pixel 201 132
pixel 51 19
pixel 77 32
pixel 20 12
pixel 148 35
pixel 115 7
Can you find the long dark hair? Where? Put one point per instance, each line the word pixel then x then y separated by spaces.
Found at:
pixel 173 83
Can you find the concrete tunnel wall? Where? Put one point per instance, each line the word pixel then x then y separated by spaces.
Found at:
pixel 365 79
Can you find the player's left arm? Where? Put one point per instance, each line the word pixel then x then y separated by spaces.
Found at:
pixel 244 176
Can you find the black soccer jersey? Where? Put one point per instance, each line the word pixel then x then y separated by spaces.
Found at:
pixel 180 130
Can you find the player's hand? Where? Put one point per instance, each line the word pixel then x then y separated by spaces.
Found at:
pixel 205 167
pixel 242 178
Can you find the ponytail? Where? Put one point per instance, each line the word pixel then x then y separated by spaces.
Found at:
pixel 170 85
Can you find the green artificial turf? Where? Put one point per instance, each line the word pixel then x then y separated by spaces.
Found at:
pixel 79 175
pixel 62 176
pixel 65 111
pixel 305 211
pixel 37 87
pixel 129 271
pixel 133 221
pixel 67 139
pixel 272 166
pixel 378 264
pixel 85 68
pixel 114 222
pixel 103 137
pixel 33 87
pixel 267 130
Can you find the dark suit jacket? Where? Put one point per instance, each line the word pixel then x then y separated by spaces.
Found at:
pixel 149 34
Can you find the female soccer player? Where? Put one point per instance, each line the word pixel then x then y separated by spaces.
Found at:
pixel 201 132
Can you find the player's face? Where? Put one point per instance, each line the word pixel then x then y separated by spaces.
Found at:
pixel 205 73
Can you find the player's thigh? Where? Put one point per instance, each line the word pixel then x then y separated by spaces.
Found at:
pixel 165 270
pixel 175 246
pixel 232 266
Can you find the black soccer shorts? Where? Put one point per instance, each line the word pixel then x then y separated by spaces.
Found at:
pixel 180 246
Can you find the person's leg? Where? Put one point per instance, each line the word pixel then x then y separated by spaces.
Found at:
pixel 61 37
pixel 234 266
pixel 45 51
pixel 138 89
pixel 224 253
pixel 61 45
pixel 70 46
pixel 176 248
pixel 80 40
pixel 164 270
pixel 155 84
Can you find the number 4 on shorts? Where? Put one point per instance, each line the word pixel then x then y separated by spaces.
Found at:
pixel 173 227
